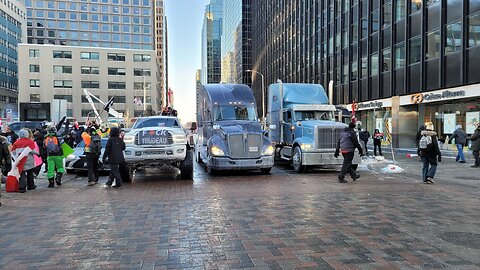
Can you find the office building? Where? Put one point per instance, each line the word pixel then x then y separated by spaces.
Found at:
pixel 402 62
pixel 211 42
pixel 62 73
pixel 13 30
pixel 161 46
pixel 236 42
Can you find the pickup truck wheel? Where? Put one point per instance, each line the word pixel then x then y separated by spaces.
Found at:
pixel 126 172
pixel 186 166
pixel 297 160
pixel 266 170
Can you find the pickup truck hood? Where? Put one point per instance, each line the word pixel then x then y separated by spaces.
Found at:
pixel 239 127
pixel 322 123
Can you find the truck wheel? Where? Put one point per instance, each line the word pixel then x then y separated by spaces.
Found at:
pixel 186 166
pixel 198 158
pixel 266 170
pixel 297 160
pixel 126 172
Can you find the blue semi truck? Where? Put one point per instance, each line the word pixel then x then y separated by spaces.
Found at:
pixel 229 134
pixel 302 126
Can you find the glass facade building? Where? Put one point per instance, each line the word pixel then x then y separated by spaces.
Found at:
pixel 212 42
pixel 127 24
pixel 236 42
pixel 373 50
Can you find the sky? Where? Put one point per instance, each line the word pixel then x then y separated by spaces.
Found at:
pixel 185 18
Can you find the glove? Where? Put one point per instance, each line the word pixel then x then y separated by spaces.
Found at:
pixel 336 154
pixel 439 158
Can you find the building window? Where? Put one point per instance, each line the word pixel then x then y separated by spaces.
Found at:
pixel 62 84
pixel 386 60
pixel 68 98
pixel 415 50
pixel 474 30
pixel 415 5
pixel 345 74
pixel 433 45
pixel 374 64
pixel 62 54
pixel 364 24
pixel 364 67
pixel 34 83
pixel 354 71
pixel 85 100
pixel 141 85
pixel 141 72
pixel 86 113
pixel 453 37
pixel 90 56
pixel 387 14
pixel 116 71
pixel 69 112
pixel 399 10
pixel 90 70
pixel 62 69
pixel 34 68
pixel 141 58
pixel 375 20
pixel 400 56
pixel 118 99
pixel 116 57
pixel 34 53
pixel 431 2
pixel 91 84
pixel 34 97
pixel 117 85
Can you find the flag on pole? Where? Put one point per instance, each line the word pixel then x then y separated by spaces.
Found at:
pixel 108 105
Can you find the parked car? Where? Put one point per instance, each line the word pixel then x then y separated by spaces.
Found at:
pixel 77 161
pixel 32 125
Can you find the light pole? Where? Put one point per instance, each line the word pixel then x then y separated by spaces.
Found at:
pixel 263 95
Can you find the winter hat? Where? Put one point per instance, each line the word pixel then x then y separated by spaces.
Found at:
pixel 458 127
pixel 352 125
pixel 429 126
pixel 23 133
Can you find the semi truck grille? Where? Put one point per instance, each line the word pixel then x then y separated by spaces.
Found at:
pixel 327 138
pixel 241 148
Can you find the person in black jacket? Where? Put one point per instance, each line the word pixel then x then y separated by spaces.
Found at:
pixel 5 159
pixel 475 138
pixel 460 137
pixel 429 152
pixel 113 155
pixel 346 145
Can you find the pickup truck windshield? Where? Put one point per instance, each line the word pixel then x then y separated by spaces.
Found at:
pixel 234 112
pixel 156 122
pixel 313 115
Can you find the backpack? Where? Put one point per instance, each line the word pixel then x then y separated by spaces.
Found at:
pixel 425 142
pixel 95 145
pixel 51 145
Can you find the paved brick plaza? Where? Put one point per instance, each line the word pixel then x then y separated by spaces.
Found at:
pixel 279 221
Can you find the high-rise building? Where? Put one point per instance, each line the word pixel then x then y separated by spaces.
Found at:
pixel 13 31
pixel 161 46
pixel 400 62
pixel 212 42
pixel 237 42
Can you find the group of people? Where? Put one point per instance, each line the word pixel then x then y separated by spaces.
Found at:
pixel 19 152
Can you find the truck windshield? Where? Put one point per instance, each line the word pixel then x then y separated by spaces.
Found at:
pixel 234 112
pixel 313 115
pixel 156 122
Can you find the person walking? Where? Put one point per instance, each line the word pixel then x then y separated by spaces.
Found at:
pixel 429 152
pixel 93 148
pixel 9 134
pixel 364 135
pixel 52 144
pixel 346 146
pixel 5 160
pixel 460 137
pixel 113 155
pixel 475 138
pixel 39 137
pixel 377 142
pixel 27 164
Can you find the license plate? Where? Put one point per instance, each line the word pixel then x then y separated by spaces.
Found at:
pixel 253 149
pixel 153 137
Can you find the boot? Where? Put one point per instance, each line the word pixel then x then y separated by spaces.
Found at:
pixel 58 179
pixel 50 183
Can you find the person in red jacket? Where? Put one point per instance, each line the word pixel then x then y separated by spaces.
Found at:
pixel 26 164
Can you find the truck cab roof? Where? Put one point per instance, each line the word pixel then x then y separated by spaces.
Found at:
pixel 229 94
pixel 298 93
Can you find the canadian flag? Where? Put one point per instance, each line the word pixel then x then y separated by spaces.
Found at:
pixel 20 150
pixel 170 97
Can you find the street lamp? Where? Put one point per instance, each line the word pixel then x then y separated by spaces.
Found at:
pixel 263 95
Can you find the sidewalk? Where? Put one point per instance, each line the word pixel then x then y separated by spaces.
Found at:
pixel 445 153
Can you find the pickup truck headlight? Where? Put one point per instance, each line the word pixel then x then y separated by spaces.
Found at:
pixel 216 151
pixel 180 139
pixel 129 139
pixel 268 151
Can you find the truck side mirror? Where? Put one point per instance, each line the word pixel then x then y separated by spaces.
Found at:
pixel 272 127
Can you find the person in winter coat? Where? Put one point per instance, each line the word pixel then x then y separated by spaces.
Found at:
pixel 113 155
pixel 26 167
pixel 346 146
pixel 39 136
pixel 9 134
pixel 429 152
pixel 364 135
pixel 460 137
pixel 475 138
pixel 53 145
pixel 377 142
pixel 93 148
pixel 5 159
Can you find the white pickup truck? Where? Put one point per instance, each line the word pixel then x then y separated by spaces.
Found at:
pixel 156 141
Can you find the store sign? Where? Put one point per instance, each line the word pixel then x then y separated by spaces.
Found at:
pixel 370 105
pixel 419 98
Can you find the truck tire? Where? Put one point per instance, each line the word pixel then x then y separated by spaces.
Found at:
pixel 198 158
pixel 186 166
pixel 266 170
pixel 126 172
pixel 297 160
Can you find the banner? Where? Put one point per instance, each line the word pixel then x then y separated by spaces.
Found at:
pixel 449 122
pixel 471 119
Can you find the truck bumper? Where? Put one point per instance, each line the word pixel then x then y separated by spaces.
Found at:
pixel 325 159
pixel 226 163
pixel 149 156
